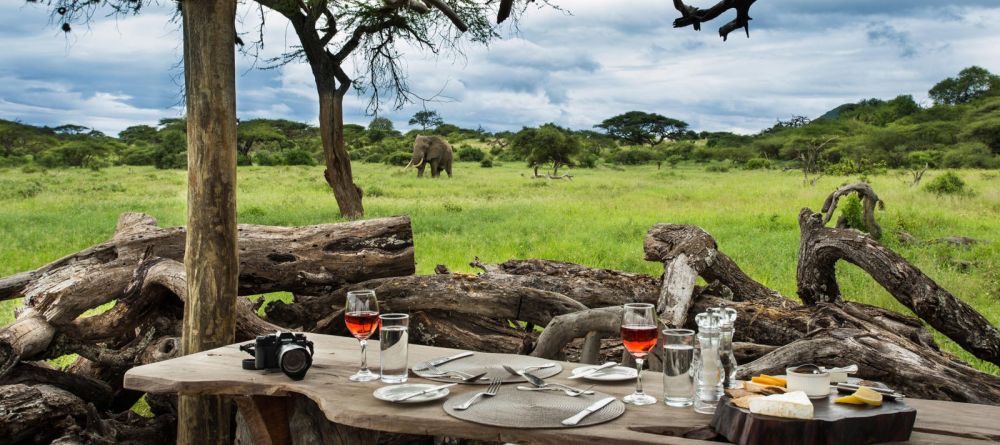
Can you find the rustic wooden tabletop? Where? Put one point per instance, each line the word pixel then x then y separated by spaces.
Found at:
pixel 349 403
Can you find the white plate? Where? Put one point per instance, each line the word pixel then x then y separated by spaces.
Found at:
pixel 615 374
pixel 388 393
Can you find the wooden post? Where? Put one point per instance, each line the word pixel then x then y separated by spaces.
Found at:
pixel 210 260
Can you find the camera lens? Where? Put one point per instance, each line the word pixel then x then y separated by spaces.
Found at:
pixel 294 361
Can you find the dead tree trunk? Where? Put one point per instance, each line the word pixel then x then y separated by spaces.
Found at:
pixel 870 202
pixel 820 249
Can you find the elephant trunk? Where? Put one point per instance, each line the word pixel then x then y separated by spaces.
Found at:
pixel 422 159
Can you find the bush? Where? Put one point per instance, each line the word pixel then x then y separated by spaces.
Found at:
pixel 486 163
pixel 95 163
pixel 635 156
pixel 137 155
pixel 400 158
pixel 970 155
pixel 375 158
pixel 758 164
pixel 947 184
pixel 470 154
pixel 242 159
pixel 721 167
pixel 299 157
pixel 267 158
pixel 588 160
pixel 852 213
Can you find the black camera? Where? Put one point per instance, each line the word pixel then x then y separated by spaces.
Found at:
pixel 290 352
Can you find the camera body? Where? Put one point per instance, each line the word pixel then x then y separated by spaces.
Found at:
pixel 288 351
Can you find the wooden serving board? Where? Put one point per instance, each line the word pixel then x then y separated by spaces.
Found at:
pixel 832 424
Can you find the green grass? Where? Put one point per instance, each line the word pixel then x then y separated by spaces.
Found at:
pixel 597 219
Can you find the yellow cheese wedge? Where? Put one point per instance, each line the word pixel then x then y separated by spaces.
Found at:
pixel 863 396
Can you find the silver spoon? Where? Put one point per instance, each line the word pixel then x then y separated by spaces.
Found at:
pixel 537 381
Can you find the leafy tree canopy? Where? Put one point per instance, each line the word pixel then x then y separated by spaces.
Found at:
pixel 638 128
pixel 972 83
pixel 426 119
pixel 548 143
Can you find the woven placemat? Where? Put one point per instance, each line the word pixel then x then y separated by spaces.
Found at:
pixel 492 365
pixel 532 409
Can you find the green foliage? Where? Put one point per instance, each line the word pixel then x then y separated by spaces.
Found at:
pixel 852 212
pixel 426 119
pixel 298 156
pixel 486 163
pixel 972 83
pixel 467 153
pixel 635 156
pixel 969 154
pixel 638 128
pixel 546 144
pixel 986 131
pixel 718 167
pixel 758 164
pixel 267 158
pixel 588 160
pixel 140 154
pixel 948 184
pixel 400 158
pixel 851 167
pixel 76 153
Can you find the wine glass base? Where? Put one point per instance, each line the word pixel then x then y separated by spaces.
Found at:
pixel 364 376
pixel 639 399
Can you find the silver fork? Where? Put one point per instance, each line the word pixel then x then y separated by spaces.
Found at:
pixel 491 391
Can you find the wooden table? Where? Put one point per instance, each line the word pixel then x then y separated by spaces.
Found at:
pixel 349 403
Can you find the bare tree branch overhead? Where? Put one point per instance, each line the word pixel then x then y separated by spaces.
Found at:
pixel 694 16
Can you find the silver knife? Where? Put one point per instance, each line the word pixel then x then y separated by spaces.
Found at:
pixel 593 371
pixel 428 390
pixel 588 411
pixel 441 361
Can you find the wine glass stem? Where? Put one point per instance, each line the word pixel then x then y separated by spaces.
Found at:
pixel 638 377
pixel 364 355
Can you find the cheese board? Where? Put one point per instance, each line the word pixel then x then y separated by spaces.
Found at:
pixel 830 423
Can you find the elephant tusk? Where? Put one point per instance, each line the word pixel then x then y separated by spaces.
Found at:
pixel 421 161
pixel 408 165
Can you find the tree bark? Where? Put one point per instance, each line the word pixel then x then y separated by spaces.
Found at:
pixel 211 260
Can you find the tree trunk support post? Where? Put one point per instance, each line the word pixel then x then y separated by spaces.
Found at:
pixel 210 260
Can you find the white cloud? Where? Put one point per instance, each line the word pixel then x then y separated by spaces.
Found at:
pixel 803 58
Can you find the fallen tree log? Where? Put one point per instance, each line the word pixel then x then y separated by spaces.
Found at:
pixel 820 249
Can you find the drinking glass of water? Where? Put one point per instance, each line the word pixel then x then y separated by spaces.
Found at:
pixel 678 384
pixel 393 342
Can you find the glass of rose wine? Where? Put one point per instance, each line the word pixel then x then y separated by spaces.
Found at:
pixel 639 336
pixel 361 316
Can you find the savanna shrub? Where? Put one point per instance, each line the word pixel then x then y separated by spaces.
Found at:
pixel 947 184
pixel 242 159
pixel 970 155
pixel 863 166
pixel 96 163
pixel 375 158
pixel 634 156
pixel 400 158
pixel 299 156
pixel 758 164
pixel 721 167
pixel 267 158
pixel 588 160
pixel 470 154
pixel 486 163
pixel 852 212
pixel 137 155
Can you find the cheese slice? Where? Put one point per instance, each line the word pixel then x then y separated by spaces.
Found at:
pixel 794 405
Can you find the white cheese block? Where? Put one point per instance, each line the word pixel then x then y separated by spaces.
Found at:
pixel 793 405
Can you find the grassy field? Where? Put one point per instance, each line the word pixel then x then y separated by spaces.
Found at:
pixel 597 219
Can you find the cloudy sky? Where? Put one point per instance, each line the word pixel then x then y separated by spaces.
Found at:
pixel 804 57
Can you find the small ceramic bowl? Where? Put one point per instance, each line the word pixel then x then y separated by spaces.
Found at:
pixel 815 384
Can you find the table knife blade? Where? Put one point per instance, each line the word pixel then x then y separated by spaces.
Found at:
pixel 575 419
pixel 420 393
pixel 443 360
pixel 594 370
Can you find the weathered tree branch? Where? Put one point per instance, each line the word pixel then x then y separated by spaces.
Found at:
pixel 693 16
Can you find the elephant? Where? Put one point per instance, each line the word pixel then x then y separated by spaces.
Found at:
pixel 433 150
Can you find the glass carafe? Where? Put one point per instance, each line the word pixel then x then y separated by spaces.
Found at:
pixel 726 329
pixel 708 377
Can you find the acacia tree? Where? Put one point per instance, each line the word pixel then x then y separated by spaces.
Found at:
pixel 638 128
pixel 546 144
pixel 426 119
